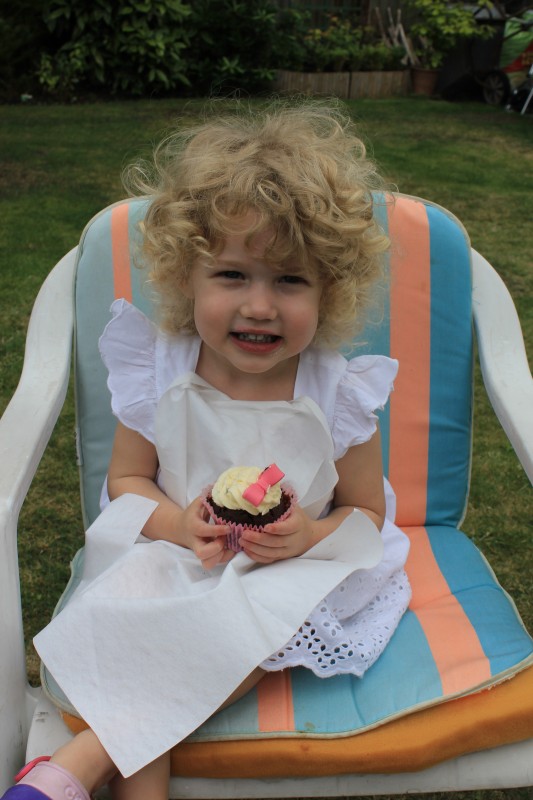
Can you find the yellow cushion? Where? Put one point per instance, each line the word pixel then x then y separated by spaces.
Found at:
pixel 496 716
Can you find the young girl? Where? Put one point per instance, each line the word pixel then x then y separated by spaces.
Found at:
pixel 263 252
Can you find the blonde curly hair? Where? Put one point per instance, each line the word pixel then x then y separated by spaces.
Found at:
pixel 303 170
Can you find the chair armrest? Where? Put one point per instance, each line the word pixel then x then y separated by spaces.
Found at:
pixel 29 419
pixel 503 358
pixel 25 428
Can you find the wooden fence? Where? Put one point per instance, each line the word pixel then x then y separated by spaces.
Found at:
pixel 346 85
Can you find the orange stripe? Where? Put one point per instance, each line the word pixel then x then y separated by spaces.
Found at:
pixel 120 251
pixel 451 636
pixel 275 711
pixel 410 343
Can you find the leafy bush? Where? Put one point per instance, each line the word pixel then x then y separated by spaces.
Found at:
pixel 64 49
pixel 377 56
pixel 332 49
pixel 23 34
pixel 128 48
pixel 439 25
pixel 233 45
pixel 341 46
pixel 290 47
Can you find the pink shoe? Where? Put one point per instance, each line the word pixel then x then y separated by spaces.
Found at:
pixel 43 780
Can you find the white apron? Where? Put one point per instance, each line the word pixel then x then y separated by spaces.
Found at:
pixel 151 644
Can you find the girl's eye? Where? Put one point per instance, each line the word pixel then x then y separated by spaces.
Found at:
pixel 230 274
pixel 293 279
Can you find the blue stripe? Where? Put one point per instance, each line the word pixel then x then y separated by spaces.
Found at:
pixel 323 705
pixel 239 718
pixel 94 294
pixel 416 677
pixel 503 638
pixel 451 355
pixel 347 703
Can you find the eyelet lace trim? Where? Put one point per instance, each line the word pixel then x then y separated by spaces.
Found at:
pixel 343 636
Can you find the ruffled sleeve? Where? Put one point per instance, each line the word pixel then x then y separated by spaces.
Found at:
pixel 128 350
pixel 364 388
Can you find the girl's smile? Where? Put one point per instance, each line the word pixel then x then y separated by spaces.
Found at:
pixel 254 317
pixel 256 342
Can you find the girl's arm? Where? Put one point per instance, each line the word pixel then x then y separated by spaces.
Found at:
pixel 361 480
pixel 133 469
pixel 360 486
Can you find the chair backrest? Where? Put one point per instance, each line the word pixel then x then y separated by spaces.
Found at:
pixel 427 326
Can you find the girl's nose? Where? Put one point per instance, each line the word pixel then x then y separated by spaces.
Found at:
pixel 259 303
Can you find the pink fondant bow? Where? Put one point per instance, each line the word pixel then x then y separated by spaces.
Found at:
pixel 269 477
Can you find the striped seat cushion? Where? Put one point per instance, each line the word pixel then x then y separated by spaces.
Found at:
pixel 462 633
pixel 460 636
pixel 427 426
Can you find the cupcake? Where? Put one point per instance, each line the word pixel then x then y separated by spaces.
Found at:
pixel 248 497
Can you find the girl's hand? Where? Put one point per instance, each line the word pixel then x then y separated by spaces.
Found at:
pixel 207 541
pixel 279 540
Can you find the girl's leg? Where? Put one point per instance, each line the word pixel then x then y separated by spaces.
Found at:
pixel 82 766
pixel 150 783
pixel 85 758
pixel 75 770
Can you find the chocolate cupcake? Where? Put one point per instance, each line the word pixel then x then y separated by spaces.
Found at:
pixel 248 497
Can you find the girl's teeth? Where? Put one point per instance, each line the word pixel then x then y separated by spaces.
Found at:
pixel 256 337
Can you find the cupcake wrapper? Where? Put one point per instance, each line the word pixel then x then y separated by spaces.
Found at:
pixel 237 528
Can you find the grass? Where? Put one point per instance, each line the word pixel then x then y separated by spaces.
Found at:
pixel 60 165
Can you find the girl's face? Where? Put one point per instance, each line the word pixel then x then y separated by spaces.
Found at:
pixel 253 317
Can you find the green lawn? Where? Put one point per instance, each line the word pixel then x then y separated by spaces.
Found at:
pixel 61 164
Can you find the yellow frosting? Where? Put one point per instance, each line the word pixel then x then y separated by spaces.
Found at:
pixel 227 491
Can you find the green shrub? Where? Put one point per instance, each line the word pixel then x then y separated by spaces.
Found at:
pixel 23 34
pixel 439 25
pixel 290 48
pixel 233 45
pixel 130 48
pixel 377 56
pixel 333 48
pixel 64 49
pixel 343 46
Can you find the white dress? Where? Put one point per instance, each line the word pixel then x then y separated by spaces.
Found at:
pixel 344 598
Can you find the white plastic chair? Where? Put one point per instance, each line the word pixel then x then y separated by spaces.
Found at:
pixel 30 725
